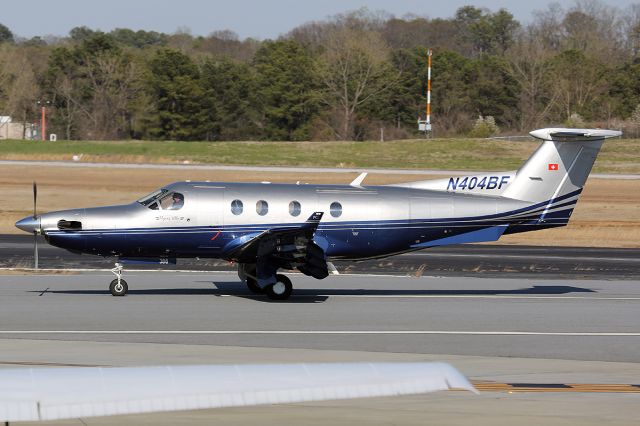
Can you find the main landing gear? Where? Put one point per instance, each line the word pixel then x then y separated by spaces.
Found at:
pixel 280 290
pixel 118 287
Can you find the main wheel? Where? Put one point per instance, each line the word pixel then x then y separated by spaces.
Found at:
pixel 253 286
pixel 118 288
pixel 281 289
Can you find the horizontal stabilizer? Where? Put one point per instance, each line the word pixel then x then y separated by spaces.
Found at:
pixel 574 135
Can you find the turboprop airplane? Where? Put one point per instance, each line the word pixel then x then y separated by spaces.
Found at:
pixel 266 227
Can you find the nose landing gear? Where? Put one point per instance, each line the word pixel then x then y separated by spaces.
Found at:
pixel 118 287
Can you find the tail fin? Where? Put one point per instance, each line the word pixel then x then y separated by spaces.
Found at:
pixel 559 168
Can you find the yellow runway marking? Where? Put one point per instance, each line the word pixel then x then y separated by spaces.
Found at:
pixel 485 386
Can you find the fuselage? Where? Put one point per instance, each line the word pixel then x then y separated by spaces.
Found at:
pixel 358 222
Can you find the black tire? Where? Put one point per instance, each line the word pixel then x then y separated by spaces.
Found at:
pixel 281 290
pixel 253 286
pixel 118 290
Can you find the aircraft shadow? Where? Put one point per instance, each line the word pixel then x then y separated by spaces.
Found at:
pixel 220 289
pixel 236 289
pixel 534 290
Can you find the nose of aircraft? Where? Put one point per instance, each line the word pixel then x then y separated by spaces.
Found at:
pixel 29 224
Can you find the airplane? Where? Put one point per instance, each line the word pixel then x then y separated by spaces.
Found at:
pixel 267 227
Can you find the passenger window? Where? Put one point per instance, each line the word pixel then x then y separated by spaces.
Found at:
pixel 237 207
pixel 262 208
pixel 172 201
pixel 335 209
pixel 294 208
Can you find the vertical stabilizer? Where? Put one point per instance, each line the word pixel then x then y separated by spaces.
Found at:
pixel 559 168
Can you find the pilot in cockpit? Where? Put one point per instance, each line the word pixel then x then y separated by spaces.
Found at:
pixel 178 201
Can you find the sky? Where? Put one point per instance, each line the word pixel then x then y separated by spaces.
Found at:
pixel 248 18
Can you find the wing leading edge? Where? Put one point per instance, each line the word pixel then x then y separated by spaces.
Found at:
pixel 64 393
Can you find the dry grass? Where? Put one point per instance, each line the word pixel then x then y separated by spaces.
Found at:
pixel 608 214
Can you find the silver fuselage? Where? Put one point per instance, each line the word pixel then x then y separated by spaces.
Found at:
pixel 374 221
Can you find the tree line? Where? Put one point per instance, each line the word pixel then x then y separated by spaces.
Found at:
pixel 342 78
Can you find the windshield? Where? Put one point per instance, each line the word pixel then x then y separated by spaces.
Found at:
pixel 151 198
pixel 162 199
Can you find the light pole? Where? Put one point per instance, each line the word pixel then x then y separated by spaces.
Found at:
pixel 43 120
pixel 425 125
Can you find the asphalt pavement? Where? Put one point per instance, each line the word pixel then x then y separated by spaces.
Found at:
pixel 16 251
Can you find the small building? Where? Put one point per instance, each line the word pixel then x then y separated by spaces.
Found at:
pixel 12 130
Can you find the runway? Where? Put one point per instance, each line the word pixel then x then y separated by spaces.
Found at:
pixel 564 319
pixel 16 251
pixel 540 350
pixel 547 334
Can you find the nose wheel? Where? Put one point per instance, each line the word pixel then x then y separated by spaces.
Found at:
pixel 281 289
pixel 118 287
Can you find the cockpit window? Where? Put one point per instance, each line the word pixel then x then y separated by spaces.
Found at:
pixel 154 196
pixel 163 199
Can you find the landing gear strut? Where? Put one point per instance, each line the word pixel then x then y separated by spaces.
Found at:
pixel 118 287
pixel 281 289
pixel 253 286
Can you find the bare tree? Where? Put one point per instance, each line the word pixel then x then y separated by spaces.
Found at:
pixel 69 110
pixel 527 64
pixel 112 79
pixel 547 27
pixel 630 27
pixel 594 27
pixel 578 81
pixel 18 76
pixel 354 69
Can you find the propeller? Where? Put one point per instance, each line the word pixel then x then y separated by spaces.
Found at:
pixel 35 231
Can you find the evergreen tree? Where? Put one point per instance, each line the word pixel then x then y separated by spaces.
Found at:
pixel 286 90
pixel 178 97
pixel 5 34
pixel 228 91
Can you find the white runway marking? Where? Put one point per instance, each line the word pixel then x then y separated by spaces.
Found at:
pixel 328 332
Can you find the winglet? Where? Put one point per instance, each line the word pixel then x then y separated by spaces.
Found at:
pixel 313 221
pixel 358 181
pixel 315 217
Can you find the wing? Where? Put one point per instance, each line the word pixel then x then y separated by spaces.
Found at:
pixel 290 247
pixel 64 393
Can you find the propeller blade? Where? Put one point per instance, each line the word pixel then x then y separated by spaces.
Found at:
pixel 35 250
pixel 35 231
pixel 35 198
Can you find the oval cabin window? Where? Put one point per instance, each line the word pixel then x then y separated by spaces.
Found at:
pixel 236 207
pixel 336 209
pixel 295 208
pixel 262 207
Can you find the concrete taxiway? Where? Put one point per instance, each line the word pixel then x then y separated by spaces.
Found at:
pixel 504 334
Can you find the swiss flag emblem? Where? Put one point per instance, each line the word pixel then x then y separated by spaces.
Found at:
pixel 553 166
